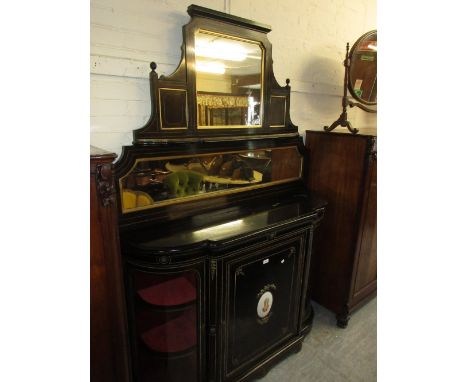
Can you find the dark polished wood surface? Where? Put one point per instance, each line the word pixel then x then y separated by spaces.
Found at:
pixel 366 257
pixel 226 226
pixel 107 315
pixel 196 10
pixel 343 169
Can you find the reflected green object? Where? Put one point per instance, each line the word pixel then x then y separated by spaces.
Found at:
pixel 170 179
pixel 183 183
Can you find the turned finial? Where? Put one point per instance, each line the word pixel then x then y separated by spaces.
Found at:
pixel 287 81
pixel 153 66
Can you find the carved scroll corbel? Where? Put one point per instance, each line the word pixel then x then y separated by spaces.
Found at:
pixel 104 184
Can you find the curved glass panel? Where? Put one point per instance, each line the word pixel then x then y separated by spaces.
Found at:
pixel 166 326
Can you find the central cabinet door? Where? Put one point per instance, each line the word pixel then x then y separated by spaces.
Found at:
pixel 263 294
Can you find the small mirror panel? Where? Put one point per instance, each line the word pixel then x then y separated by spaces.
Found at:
pixel 229 81
pixel 363 69
pixel 159 181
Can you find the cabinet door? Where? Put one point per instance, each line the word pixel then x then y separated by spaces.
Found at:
pixel 366 269
pixel 166 324
pixel 263 294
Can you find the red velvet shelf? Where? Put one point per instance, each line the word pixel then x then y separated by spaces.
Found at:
pixel 173 336
pixel 172 292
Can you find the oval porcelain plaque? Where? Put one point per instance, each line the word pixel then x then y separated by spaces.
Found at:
pixel 264 304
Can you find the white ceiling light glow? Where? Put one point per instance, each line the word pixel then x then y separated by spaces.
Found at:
pixel 210 67
pixel 220 50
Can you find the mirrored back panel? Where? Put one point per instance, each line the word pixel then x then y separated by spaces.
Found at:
pixel 158 181
pixel 229 81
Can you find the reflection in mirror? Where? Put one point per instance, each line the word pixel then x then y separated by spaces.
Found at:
pixel 229 81
pixel 363 69
pixel 154 182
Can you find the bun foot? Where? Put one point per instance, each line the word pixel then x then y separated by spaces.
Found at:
pixel 342 320
pixel 298 348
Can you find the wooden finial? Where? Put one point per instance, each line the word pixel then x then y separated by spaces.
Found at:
pixel 287 81
pixel 153 66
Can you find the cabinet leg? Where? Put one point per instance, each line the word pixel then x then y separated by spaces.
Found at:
pixel 342 320
pixel 298 347
pixel 308 319
pixel 262 372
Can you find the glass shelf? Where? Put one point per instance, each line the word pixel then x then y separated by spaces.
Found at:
pixel 170 293
pixel 166 326
pixel 176 335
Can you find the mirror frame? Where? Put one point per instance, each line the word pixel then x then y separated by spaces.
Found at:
pixel 351 54
pixel 173 98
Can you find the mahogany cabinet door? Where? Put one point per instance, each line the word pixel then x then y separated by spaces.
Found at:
pixel 108 336
pixel 366 268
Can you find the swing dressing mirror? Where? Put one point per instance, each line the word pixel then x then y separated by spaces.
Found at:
pixel 362 80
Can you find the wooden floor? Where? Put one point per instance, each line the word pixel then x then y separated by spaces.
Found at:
pixel 331 354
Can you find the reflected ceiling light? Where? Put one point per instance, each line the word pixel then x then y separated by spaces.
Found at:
pixel 221 228
pixel 372 46
pixel 210 67
pixel 220 50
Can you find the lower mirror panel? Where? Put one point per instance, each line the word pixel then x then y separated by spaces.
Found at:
pixel 159 181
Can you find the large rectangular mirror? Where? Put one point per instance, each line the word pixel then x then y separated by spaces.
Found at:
pixel 229 81
pixel 158 181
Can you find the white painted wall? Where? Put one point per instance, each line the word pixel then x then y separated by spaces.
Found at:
pixel 308 38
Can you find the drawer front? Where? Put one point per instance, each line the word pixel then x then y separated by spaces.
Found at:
pixel 263 291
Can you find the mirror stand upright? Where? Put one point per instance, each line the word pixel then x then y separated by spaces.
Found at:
pixel 343 118
pixel 360 79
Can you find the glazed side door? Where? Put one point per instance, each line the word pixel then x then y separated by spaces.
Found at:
pixel 166 309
